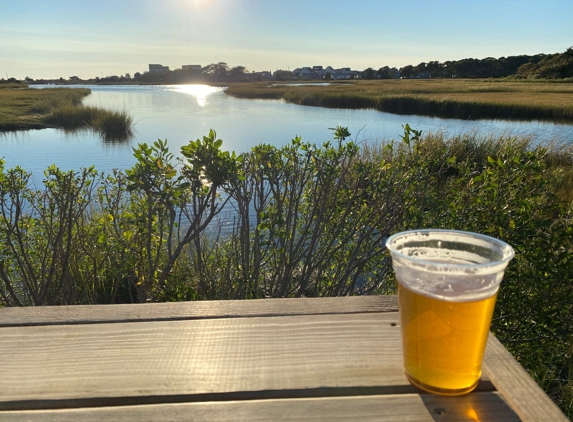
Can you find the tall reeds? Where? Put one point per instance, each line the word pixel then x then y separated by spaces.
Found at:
pixel 45 104
pixel 112 125
pixel 25 108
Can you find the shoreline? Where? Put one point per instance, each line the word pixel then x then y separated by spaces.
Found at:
pixel 465 99
pixel 24 108
pixel 458 99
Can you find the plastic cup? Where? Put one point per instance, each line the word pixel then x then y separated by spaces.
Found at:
pixel 447 286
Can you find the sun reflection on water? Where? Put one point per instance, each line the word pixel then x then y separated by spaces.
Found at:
pixel 200 92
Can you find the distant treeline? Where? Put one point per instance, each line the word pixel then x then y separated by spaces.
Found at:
pixel 213 73
pixel 551 66
pixel 489 67
pixel 547 66
pixel 539 66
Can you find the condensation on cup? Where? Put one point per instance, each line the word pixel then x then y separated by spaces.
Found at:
pixel 447 287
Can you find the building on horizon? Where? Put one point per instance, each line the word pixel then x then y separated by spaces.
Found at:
pixel 319 72
pixel 191 67
pixel 155 68
pixel 264 75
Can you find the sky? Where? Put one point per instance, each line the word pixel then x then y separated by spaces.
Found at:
pixel 87 38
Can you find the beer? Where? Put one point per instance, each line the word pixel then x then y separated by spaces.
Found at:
pixel 443 341
pixel 447 286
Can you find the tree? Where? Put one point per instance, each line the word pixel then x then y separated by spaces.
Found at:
pixel 217 71
pixel 421 70
pixel 238 74
pixel 369 73
pixel 551 66
pixel 450 69
pixel 384 73
pixel 407 71
pixel 435 68
pixel 167 197
pixel 283 75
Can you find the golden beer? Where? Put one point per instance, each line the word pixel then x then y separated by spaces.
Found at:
pixel 443 341
pixel 447 286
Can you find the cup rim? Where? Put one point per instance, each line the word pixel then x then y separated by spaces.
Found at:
pixel 507 249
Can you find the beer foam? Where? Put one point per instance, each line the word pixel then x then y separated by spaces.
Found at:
pixel 449 265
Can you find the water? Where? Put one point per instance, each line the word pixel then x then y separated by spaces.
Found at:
pixel 180 113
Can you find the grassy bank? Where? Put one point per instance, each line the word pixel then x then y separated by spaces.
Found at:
pixel 23 108
pixel 448 98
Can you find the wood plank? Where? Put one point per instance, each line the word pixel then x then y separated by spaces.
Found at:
pixel 347 347
pixel 391 408
pixel 517 387
pixel 84 314
pixel 211 359
pixel 199 357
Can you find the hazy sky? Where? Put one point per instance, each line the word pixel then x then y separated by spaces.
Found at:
pixel 87 38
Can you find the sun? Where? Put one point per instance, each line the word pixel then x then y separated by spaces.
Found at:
pixel 199 3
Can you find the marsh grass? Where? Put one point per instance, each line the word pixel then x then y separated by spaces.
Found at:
pixel 24 108
pixel 71 117
pixel 475 147
pixel 448 98
pixel 113 125
pixel 47 104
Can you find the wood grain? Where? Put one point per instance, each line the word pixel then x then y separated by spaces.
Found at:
pixel 517 387
pixel 390 408
pixel 84 314
pixel 236 360
pixel 200 357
